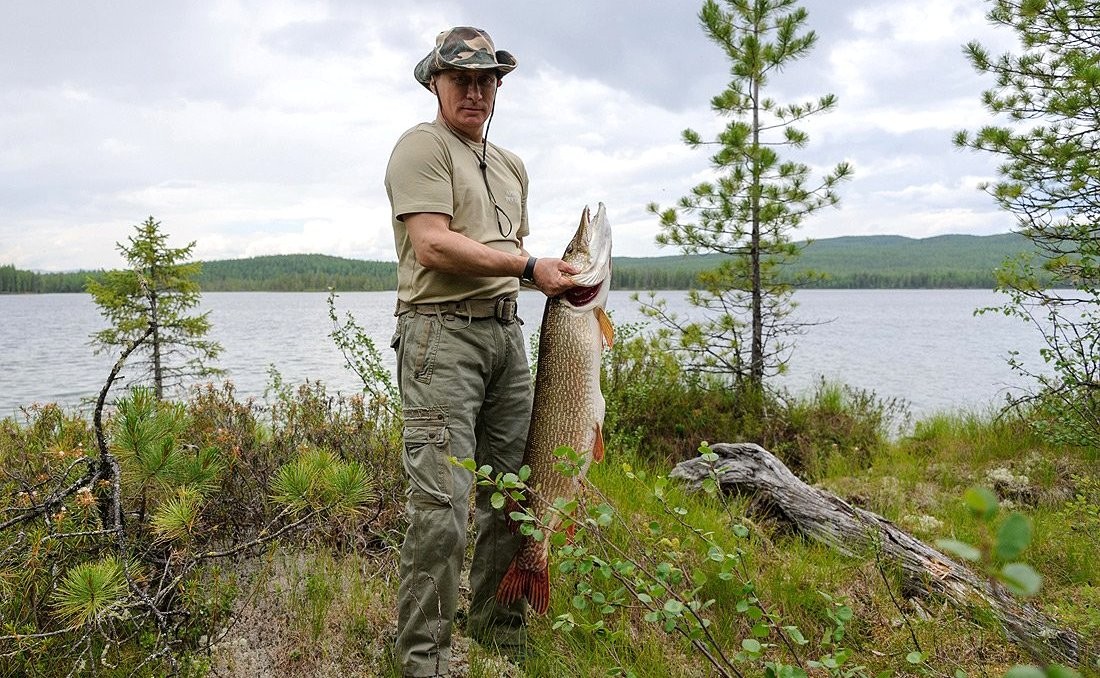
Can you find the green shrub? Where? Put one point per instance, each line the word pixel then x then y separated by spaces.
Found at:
pixel 837 425
pixel 659 411
pixel 81 591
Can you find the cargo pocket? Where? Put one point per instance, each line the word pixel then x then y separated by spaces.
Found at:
pixel 427 343
pixel 427 449
pixel 395 340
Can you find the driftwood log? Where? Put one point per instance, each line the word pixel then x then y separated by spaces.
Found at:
pixel 825 517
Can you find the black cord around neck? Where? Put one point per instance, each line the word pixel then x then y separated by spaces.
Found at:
pixel 483 164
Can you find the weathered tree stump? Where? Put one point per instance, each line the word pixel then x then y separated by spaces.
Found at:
pixel 827 518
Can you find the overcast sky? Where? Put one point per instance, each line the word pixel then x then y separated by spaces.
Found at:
pixel 264 127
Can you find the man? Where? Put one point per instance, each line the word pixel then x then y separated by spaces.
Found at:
pixel 459 207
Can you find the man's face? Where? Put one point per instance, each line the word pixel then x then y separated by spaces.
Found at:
pixel 466 99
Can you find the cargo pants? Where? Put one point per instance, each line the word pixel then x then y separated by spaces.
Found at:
pixel 466 392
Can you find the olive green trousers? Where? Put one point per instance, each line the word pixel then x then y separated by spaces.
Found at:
pixel 466 392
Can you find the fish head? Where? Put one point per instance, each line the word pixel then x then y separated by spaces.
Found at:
pixel 590 251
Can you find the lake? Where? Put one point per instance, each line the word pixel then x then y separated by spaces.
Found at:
pixel 923 346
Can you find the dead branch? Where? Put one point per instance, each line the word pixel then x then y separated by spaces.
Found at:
pixel 825 517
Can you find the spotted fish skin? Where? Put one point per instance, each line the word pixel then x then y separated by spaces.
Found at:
pixel 569 406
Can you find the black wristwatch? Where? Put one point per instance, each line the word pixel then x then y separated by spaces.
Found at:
pixel 529 270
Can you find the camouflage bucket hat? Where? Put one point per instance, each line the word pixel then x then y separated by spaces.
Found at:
pixel 463 48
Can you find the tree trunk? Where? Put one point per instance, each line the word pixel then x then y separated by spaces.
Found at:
pixel 851 530
pixel 154 322
pixel 756 364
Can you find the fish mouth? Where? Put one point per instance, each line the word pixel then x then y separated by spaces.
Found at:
pixel 593 237
pixel 582 296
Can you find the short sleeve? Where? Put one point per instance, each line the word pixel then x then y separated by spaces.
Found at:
pixel 418 176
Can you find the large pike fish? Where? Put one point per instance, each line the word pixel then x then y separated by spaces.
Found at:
pixel 569 406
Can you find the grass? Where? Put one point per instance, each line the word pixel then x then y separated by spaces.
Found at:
pixel 921 475
pixel 325 605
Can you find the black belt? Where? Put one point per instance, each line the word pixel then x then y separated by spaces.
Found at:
pixel 502 308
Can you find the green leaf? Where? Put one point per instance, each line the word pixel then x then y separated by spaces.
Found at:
pixel 1025 671
pixel 349 487
pixel 293 485
pixel 1021 579
pixel 1059 671
pixel 89 591
pixel 1013 537
pixel 960 549
pixel 497 500
pixel 673 606
pixel 914 658
pixel 982 502
pixel 795 635
pixel 751 645
pixel 175 518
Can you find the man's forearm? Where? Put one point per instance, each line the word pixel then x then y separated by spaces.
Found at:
pixel 452 252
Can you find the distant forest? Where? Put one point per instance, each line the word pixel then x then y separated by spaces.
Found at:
pixel 850 262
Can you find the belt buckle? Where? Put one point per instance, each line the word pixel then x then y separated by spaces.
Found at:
pixel 505 310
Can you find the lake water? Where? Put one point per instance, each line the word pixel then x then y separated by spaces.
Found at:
pixel 923 346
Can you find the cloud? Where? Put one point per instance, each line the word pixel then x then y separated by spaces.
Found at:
pixel 262 127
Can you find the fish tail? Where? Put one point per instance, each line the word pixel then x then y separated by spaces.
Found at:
pixel 518 582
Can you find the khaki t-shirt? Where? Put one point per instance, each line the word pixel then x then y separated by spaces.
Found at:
pixel 432 169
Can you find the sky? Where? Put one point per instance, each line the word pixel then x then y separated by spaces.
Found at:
pixel 264 127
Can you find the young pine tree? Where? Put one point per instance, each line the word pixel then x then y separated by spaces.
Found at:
pixel 154 294
pixel 756 200
pixel 1050 182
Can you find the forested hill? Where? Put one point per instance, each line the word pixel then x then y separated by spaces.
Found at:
pixel 847 262
pixel 291 272
pixel 855 262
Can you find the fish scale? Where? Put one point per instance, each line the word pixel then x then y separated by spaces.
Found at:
pixel 568 404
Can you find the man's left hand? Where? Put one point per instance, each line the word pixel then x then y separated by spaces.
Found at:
pixel 551 276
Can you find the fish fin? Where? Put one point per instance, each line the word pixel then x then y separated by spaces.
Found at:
pixel 534 585
pixel 605 327
pixel 597 445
